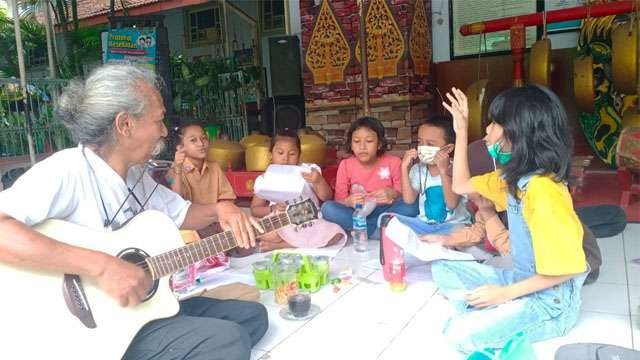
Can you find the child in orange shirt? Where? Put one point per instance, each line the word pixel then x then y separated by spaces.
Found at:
pixel 192 176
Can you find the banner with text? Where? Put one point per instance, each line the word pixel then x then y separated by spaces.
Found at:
pixel 132 45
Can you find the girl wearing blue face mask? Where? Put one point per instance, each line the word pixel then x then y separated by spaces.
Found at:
pixel 429 180
pixel 530 138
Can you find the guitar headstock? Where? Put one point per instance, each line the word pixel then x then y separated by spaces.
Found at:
pixel 301 211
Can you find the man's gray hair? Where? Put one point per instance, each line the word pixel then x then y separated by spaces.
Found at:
pixel 88 109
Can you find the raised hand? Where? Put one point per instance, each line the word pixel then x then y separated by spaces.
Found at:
pixel 179 158
pixel 459 109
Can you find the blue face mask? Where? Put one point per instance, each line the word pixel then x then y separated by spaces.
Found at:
pixel 501 157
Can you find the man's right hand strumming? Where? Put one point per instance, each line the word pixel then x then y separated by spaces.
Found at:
pixel 125 282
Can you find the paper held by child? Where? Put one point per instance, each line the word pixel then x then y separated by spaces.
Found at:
pixel 407 239
pixel 281 183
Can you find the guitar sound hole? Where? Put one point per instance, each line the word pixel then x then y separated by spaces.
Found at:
pixel 137 256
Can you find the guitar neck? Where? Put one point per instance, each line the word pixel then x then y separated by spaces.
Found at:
pixel 174 260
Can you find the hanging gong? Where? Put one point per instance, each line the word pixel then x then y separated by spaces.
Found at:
pixel 624 57
pixel 583 83
pixel 540 62
pixel 478 105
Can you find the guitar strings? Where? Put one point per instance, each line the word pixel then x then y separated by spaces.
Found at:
pixel 271 219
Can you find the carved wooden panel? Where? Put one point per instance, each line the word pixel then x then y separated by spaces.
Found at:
pixel 385 44
pixel 328 53
pixel 420 40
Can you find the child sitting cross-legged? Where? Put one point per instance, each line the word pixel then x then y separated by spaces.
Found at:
pixel 440 209
pixel 285 150
pixel 372 170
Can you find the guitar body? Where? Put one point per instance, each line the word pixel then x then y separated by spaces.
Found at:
pixel 36 323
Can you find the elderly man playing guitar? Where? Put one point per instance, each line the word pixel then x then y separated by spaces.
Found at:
pixel 116 116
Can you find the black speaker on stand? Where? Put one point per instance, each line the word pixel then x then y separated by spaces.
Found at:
pixel 283 112
pixel 285 108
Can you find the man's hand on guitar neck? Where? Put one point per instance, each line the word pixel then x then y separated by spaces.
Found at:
pixel 230 217
pixel 124 281
pixel 241 225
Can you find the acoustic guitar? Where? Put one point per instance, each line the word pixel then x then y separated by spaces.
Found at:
pixel 47 315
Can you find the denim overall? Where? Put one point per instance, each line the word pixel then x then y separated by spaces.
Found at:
pixel 541 315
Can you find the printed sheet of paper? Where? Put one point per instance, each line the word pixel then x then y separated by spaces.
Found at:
pixel 281 183
pixel 407 239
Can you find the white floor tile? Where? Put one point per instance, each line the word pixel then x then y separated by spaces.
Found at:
pixel 635 320
pixel 279 329
pixel 362 323
pixel 591 327
pixel 634 299
pixel 605 298
pixel 613 272
pixel 612 248
pixel 633 272
pixel 631 237
pixel 423 332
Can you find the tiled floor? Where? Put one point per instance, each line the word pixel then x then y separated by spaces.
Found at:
pixel 367 321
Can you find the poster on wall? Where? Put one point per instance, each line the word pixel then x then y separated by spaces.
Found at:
pixel 564 26
pixel 133 46
pixel 470 11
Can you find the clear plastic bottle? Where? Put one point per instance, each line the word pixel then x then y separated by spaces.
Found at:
pixel 360 238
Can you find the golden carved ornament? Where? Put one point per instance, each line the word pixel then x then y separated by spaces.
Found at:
pixel 420 40
pixel 385 44
pixel 328 53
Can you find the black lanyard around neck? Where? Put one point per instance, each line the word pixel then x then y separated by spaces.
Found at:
pixel 108 221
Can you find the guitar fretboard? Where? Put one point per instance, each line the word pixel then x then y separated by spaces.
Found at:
pixel 174 260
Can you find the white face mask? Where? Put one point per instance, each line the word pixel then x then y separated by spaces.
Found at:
pixel 427 153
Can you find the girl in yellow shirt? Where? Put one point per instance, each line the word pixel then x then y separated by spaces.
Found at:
pixel 529 138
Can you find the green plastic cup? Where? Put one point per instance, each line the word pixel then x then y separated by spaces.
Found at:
pixel 321 266
pixel 262 274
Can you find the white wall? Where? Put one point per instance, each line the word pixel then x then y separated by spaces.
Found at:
pixel 441 33
pixel 178 42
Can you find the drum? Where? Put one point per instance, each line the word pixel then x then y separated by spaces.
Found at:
pixel 314 149
pixel 228 154
pixel 253 139
pixel 628 148
pixel 257 157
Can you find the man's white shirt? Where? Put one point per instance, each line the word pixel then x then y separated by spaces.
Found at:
pixel 71 186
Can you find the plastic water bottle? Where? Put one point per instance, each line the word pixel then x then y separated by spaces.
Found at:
pixel 359 229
